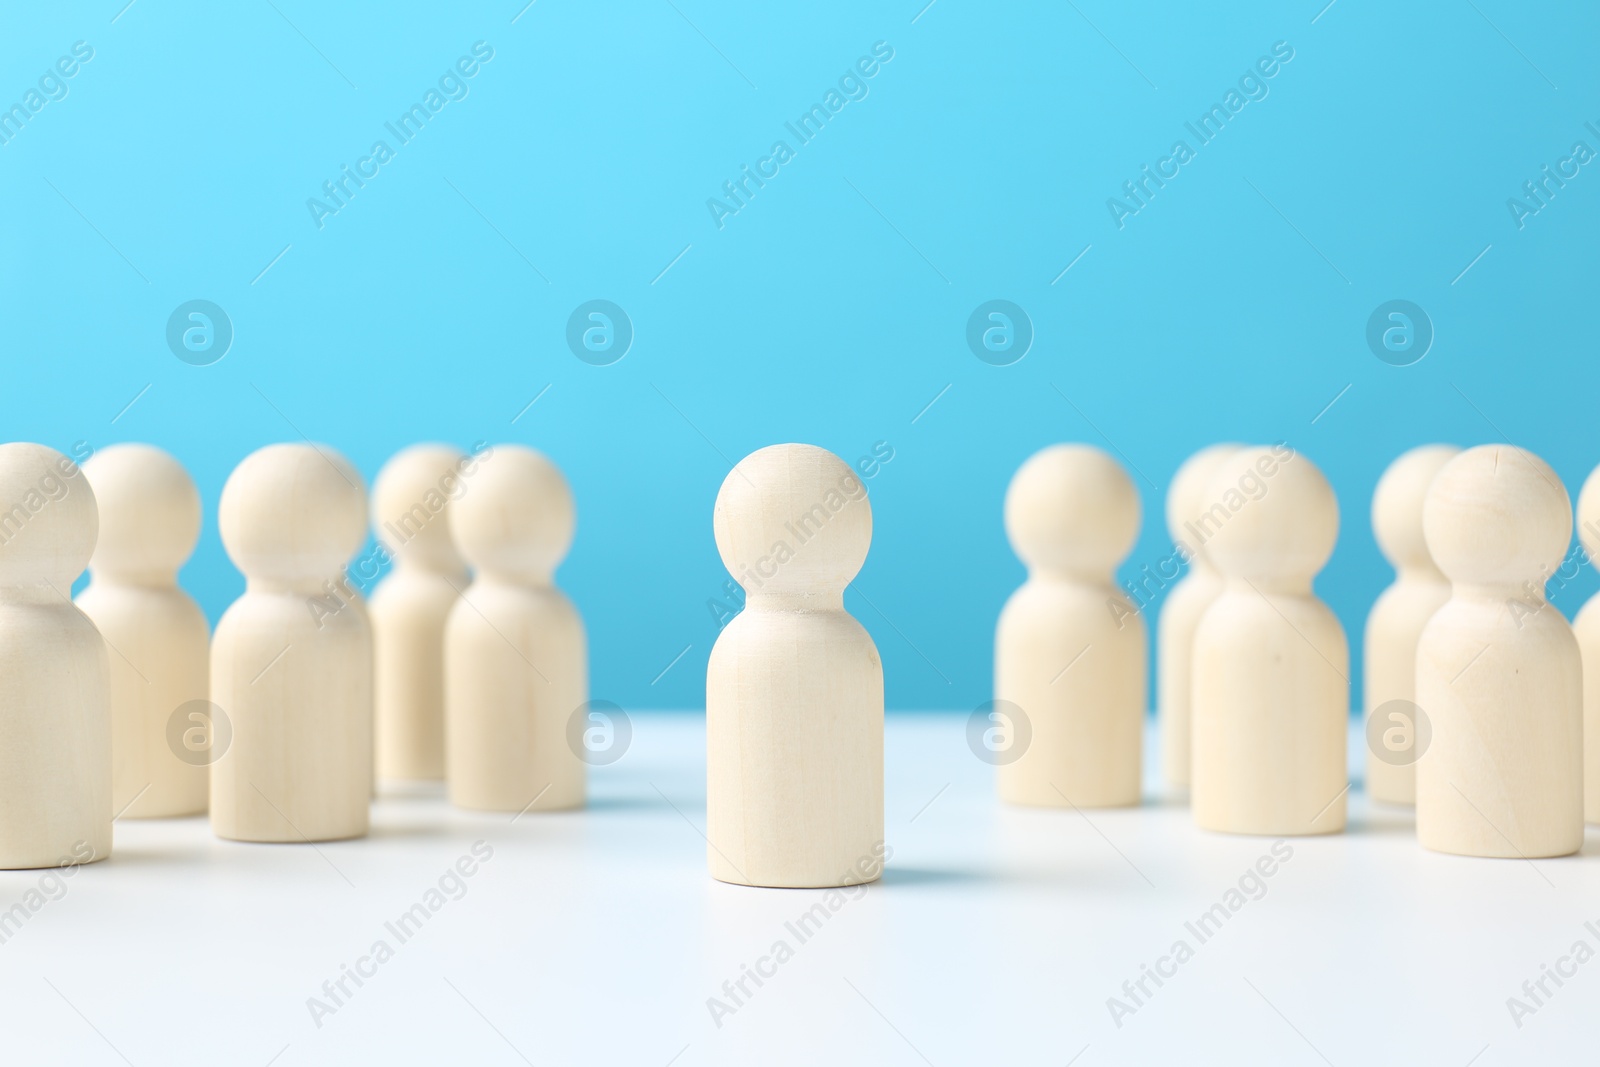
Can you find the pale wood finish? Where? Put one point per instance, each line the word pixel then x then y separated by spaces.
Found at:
pixel 149 524
pixel 291 667
pixel 1499 673
pixel 1070 649
pixel 1586 627
pixel 410 515
pixel 1189 523
pixel 1402 610
pixel 794 687
pixel 515 653
pixel 1271 696
pixel 55 721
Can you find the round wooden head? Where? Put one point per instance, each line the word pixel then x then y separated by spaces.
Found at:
pixel 793 520
pixel 149 511
pixel 410 501
pixel 1589 515
pixel 1275 517
pixel 48 518
pixel 1072 509
pixel 1187 502
pixel 516 518
pixel 292 513
pixel 1497 515
pixel 1397 504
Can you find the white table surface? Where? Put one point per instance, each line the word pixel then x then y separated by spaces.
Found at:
pixel 996 937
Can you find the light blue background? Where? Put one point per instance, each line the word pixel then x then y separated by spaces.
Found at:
pixel 833 308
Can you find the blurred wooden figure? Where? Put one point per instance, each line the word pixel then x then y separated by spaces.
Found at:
pixel 1587 629
pixel 1192 518
pixel 161 724
pixel 1271 698
pixel 55 718
pixel 291 675
pixel 1070 648
pixel 410 516
pixel 1499 674
pixel 515 652
pixel 1396 622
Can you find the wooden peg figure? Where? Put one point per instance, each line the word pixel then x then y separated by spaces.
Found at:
pixel 160 672
pixel 1586 627
pixel 1271 699
pixel 1191 519
pixel 292 675
pixel 411 498
pixel 1499 674
pixel 55 721
pixel 794 687
pixel 1396 623
pixel 1070 649
pixel 516 656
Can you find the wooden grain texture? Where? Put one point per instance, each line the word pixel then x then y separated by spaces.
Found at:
pixel 1271 699
pixel 1499 673
pixel 291 659
pixel 794 687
